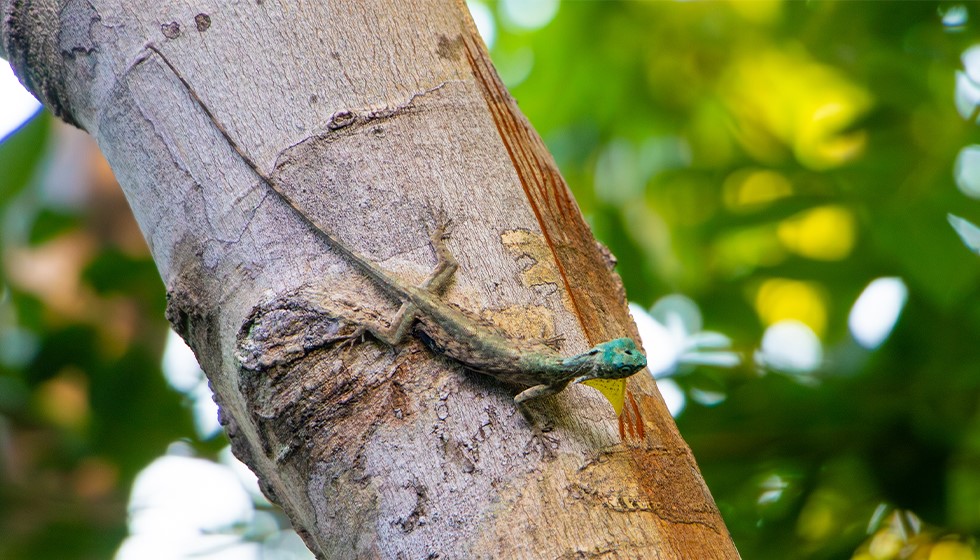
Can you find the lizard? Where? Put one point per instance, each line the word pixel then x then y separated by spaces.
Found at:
pixel 447 329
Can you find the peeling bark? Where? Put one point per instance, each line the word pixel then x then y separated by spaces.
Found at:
pixel 371 113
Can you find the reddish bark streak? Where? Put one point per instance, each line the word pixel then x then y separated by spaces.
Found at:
pixel 516 141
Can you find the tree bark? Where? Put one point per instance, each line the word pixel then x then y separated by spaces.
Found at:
pixel 374 115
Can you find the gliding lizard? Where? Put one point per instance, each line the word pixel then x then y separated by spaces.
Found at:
pixel 447 329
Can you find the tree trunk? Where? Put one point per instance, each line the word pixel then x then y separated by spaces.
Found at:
pixel 374 115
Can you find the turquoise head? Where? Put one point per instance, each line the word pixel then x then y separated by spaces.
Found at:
pixel 616 359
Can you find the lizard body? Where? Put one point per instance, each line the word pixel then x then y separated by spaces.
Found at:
pixel 481 347
pixel 446 328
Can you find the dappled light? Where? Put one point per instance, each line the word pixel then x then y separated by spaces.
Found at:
pixel 802 159
pixel 674 342
pixel 184 507
pixel 954 17
pixel 771 489
pixel 967 171
pixel 486 25
pixel 182 497
pixel 528 16
pixel 877 310
pixel 790 346
pixel 673 396
pixel 749 190
pixel 64 400
pixel 968 84
pixel 821 517
pixel 968 232
pixel 825 233
pixel 779 299
pixel 672 332
pixel 182 372
pixel 896 534
pixel 784 101
pixel 16 104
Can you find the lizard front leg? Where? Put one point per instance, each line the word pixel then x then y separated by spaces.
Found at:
pixel 540 426
pixel 539 391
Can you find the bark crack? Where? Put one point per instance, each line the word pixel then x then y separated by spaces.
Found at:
pixel 350 120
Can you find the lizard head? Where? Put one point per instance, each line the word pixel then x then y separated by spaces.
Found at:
pixel 615 359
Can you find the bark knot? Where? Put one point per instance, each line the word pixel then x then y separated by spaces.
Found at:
pixel 202 21
pixel 170 30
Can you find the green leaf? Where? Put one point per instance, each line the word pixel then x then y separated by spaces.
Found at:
pixel 50 223
pixel 20 154
pixel 114 271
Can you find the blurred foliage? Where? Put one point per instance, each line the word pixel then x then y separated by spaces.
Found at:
pixel 768 159
pixel 83 404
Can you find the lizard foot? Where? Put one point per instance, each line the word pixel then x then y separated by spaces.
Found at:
pixel 540 441
pixel 348 341
pixel 544 444
pixel 446 264
pixel 441 230
pixel 443 224
pixel 553 342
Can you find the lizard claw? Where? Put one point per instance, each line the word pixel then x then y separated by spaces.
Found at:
pixel 446 227
pixel 442 223
pixel 540 441
pixel 440 234
pixel 353 338
pixel 553 342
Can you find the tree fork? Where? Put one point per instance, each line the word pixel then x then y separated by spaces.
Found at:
pixel 393 108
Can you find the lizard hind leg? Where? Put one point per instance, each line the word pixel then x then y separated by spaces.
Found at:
pixel 446 265
pixel 435 282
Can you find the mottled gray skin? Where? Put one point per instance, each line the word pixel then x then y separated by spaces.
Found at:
pixel 482 347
